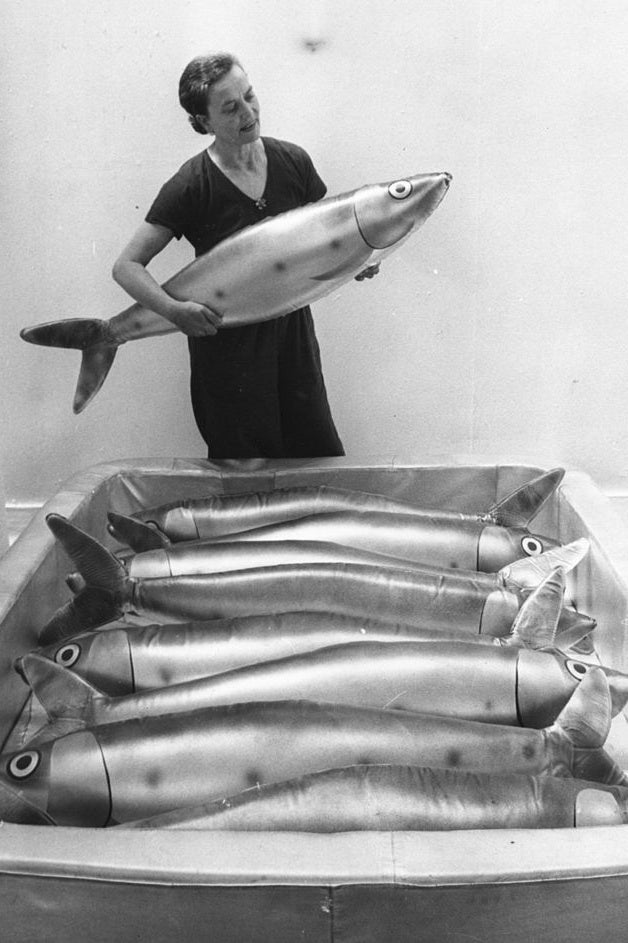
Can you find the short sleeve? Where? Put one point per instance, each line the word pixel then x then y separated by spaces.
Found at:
pixel 314 186
pixel 168 207
pixel 180 201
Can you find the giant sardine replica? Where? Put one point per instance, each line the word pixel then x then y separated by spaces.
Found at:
pixel 219 515
pixel 441 538
pixel 426 596
pixel 127 658
pixel 264 271
pixel 406 798
pixel 143 767
pixel 493 684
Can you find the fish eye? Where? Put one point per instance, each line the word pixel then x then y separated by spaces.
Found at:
pixel 576 669
pixel 68 655
pixel 531 546
pixel 23 764
pixel 400 189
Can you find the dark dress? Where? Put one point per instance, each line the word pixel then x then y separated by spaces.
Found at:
pixel 257 390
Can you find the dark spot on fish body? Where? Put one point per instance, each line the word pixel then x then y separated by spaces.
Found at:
pixel 165 676
pixel 335 244
pixel 153 778
pixel 488 706
pixel 529 751
pixel 219 293
pixel 453 758
pixel 280 266
pixel 253 777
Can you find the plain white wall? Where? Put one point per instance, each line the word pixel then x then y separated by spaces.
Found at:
pixel 497 329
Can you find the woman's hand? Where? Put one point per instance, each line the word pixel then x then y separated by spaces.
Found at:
pixel 367 272
pixel 193 319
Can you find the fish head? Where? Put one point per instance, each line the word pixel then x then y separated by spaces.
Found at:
pixel 386 213
pixel 103 658
pixel 499 546
pixel 65 779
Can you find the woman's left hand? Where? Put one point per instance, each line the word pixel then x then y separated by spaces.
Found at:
pixel 367 272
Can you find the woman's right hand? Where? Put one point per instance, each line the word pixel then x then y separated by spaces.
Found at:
pixel 194 319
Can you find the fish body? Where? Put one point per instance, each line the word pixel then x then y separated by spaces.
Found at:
pixel 159 763
pixel 494 684
pixel 206 557
pixel 427 596
pixel 218 515
pixel 124 659
pixel 404 798
pixel 464 544
pixel 264 271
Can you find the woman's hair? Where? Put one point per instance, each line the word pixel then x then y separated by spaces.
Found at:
pixel 197 80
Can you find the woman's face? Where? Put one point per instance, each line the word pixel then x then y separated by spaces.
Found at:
pixel 233 111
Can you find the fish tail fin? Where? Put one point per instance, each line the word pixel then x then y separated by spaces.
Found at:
pixel 93 337
pixel 89 609
pixel 97 565
pixel 536 622
pixel 586 717
pixel 618 683
pixel 585 722
pixel 597 766
pixel 529 572
pixel 519 507
pixel 103 582
pixel 61 693
pixel 136 534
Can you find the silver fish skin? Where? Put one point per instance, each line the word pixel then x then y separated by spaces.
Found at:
pixel 406 798
pixel 493 684
pixel 429 597
pixel 144 767
pixel 128 658
pixel 264 271
pixel 218 515
pixel 201 557
pixel 467 545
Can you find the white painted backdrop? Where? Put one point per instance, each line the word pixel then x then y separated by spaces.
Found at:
pixel 500 329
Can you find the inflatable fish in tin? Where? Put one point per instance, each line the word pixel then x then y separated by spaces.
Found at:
pixel 264 271
pixel 427 596
pixel 145 767
pixel 222 514
pixel 128 658
pixel 406 798
pixel 494 684
pixel 483 542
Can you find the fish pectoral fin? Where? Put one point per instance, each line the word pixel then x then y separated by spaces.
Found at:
pixel 136 534
pixel 519 507
pixel 60 692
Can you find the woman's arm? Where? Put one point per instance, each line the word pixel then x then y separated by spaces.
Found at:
pixel 130 272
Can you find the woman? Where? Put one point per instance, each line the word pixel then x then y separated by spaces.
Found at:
pixel 257 390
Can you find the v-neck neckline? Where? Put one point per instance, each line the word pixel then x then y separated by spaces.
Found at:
pixel 259 202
